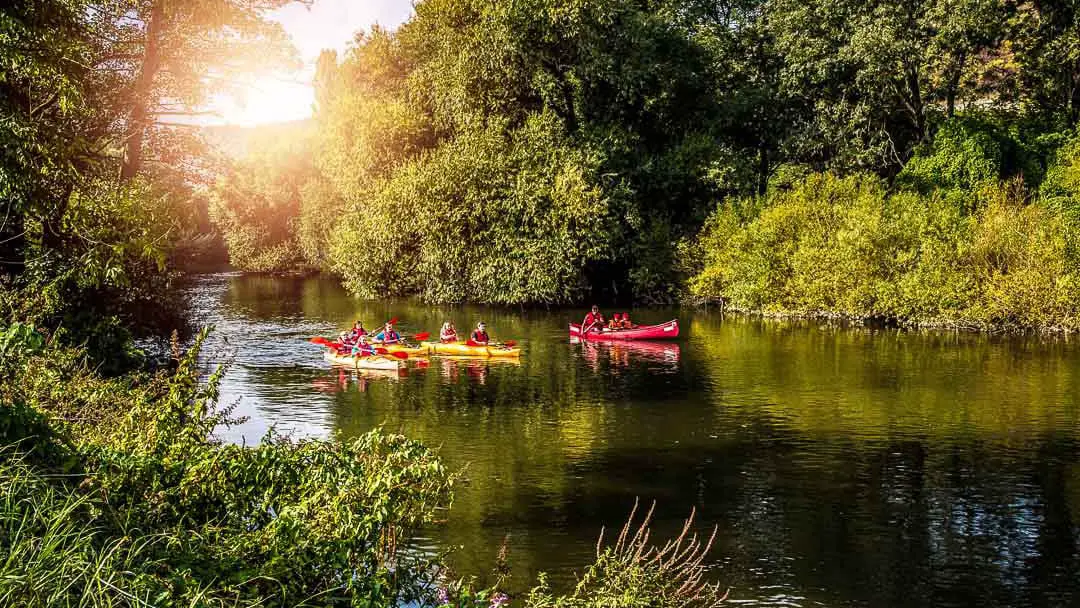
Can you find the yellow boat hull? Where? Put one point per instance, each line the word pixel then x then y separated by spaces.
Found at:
pixel 400 348
pixel 460 349
pixel 372 362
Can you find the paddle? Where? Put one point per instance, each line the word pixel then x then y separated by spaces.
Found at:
pixel 395 354
pixel 321 341
pixel 424 335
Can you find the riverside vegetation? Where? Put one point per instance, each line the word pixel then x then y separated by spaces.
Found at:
pixel 910 161
pixel 907 160
pixel 113 490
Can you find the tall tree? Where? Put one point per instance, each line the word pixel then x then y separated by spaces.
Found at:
pixel 183 52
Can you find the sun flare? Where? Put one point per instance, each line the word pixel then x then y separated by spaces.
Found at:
pixel 267 100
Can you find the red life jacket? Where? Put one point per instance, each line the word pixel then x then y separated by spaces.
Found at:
pixel 480 336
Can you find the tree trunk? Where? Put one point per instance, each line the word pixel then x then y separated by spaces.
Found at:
pixel 763 169
pixel 916 102
pixel 954 85
pixel 144 84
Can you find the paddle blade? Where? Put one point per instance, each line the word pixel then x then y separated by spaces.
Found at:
pixel 510 343
pixel 422 335
pixel 321 341
pixel 399 355
pixel 393 321
pixel 381 351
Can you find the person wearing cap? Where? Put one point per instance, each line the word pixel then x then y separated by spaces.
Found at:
pixel 625 323
pixel 615 322
pixel 480 335
pixel 593 320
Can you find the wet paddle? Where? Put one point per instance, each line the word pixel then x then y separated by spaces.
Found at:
pixel 321 341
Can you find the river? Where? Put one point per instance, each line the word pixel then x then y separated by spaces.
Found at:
pixel 840 466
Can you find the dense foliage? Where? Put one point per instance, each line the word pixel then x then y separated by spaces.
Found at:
pixel 978 258
pixel 551 150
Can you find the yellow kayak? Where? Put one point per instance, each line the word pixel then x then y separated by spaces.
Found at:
pixel 401 348
pixel 461 349
pixel 372 362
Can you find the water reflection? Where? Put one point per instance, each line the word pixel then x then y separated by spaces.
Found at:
pixel 844 467
pixel 612 357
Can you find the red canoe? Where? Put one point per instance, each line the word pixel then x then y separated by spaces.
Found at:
pixel 645 332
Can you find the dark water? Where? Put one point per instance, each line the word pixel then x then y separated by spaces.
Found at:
pixel 842 467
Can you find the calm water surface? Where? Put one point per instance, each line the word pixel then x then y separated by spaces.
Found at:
pixel 842 467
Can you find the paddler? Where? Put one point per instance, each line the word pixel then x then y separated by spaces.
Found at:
pixel 448 333
pixel 355 333
pixel 480 335
pixel 388 335
pixel 362 347
pixel 593 320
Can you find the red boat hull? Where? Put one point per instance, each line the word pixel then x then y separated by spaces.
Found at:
pixel 663 331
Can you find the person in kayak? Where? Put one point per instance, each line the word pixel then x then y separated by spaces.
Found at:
pixel 480 335
pixel 615 322
pixel 387 335
pixel 625 323
pixel 448 333
pixel 363 348
pixel 355 333
pixel 593 320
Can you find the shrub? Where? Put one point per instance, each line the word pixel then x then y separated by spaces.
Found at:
pixel 847 246
pixel 491 216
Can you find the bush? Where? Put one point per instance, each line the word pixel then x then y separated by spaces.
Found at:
pixel 488 217
pixel 137 500
pixel 256 204
pixel 847 246
pixel 973 151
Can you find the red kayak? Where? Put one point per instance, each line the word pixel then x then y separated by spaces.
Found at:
pixel 645 332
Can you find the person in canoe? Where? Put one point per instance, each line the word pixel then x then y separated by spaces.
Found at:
pixel 448 333
pixel 593 321
pixel 480 335
pixel 363 348
pixel 387 335
pixel 615 322
pixel 625 323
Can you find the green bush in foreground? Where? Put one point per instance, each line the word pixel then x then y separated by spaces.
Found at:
pixel 137 503
pixel 986 259
pixel 113 492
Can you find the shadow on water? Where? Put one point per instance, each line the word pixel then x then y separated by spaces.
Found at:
pixel 842 466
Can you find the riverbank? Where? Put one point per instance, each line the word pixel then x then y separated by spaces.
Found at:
pixel 830 247
pixel 851 320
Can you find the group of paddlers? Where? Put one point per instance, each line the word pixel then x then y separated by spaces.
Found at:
pixel 359 341
pixel 448 333
pixel 594 321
